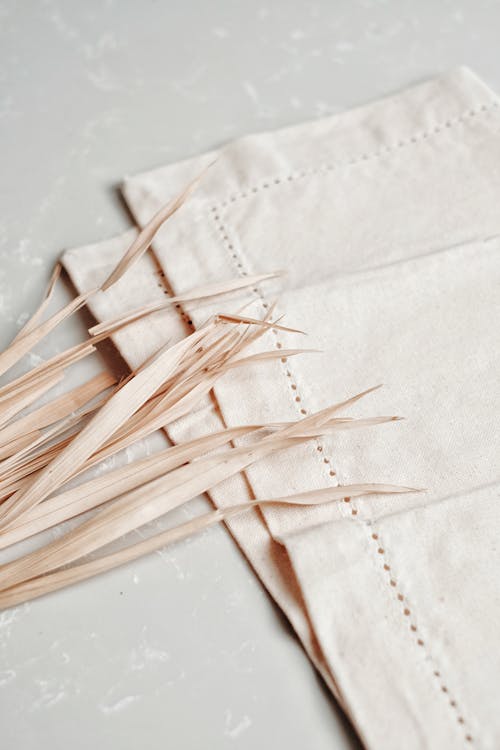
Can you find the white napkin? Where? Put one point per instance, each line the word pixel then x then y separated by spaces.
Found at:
pixel 387 220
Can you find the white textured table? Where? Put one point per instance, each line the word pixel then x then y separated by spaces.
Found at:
pixel 182 649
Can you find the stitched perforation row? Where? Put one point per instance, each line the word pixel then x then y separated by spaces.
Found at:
pixel 163 284
pixel 361 158
pixel 407 612
pixel 237 261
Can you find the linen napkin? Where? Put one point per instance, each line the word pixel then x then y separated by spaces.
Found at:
pixel 386 219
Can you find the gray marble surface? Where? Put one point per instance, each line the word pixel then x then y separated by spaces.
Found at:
pixel 183 649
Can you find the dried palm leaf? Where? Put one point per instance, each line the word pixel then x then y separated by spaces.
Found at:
pixel 38 585
pixel 97 491
pixel 40 452
pixel 159 496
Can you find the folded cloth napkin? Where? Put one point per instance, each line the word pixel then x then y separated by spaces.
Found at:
pixel 386 219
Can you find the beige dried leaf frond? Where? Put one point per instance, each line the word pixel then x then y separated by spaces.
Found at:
pixel 38 585
pixel 41 451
